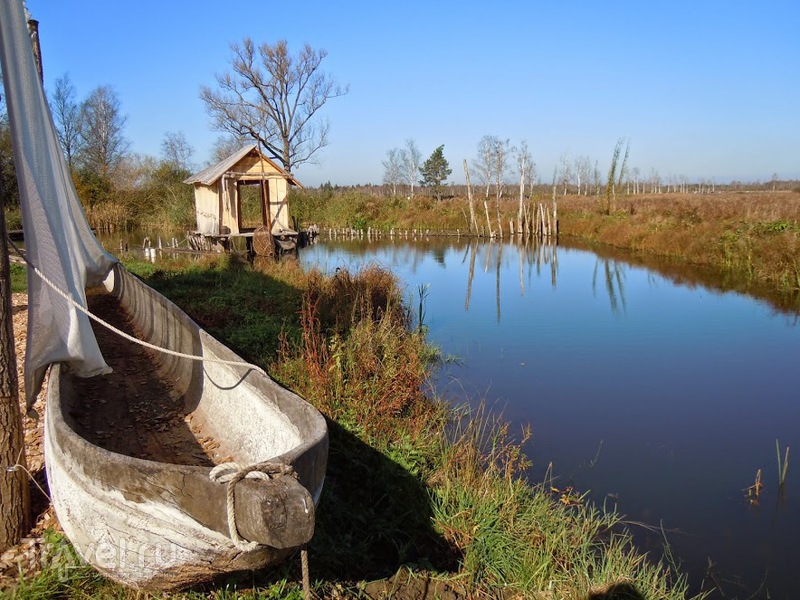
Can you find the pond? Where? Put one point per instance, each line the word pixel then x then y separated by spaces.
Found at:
pixel 646 388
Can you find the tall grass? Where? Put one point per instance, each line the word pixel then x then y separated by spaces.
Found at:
pixel 412 485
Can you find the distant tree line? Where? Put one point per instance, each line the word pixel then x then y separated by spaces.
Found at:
pixel 498 165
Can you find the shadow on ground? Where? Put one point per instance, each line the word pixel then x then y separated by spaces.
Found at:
pixel 618 591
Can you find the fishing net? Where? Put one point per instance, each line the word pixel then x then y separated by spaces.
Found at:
pixel 58 239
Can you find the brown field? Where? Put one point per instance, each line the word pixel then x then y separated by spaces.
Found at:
pixel 756 234
pixel 752 235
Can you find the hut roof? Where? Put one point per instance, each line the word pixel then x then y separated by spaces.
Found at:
pixel 211 174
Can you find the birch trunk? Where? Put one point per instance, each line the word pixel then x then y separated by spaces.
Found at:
pixel 473 223
pixel 521 196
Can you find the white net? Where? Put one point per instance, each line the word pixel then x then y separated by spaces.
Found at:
pixel 58 239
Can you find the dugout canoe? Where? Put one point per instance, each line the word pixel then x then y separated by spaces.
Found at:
pixel 164 524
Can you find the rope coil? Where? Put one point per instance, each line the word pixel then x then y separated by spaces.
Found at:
pixel 232 473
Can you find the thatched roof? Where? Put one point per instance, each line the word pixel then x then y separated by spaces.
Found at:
pixel 211 174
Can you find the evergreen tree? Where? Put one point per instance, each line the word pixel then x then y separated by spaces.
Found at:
pixel 435 170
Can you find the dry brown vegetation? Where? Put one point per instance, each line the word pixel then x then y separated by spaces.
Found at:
pixel 754 233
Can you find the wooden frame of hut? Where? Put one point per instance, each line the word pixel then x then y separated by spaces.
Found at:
pixel 242 196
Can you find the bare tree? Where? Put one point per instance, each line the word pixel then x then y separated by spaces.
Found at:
pixel 66 113
pixel 596 178
pixel 616 173
pixel 483 164
pixel 502 152
pixel 224 146
pixel 566 172
pixel 473 223
pixel 393 168
pixel 412 162
pixel 273 98
pixel 176 150
pixel 636 176
pixel 655 181
pixel 102 144
pixel 526 169
pixel 582 172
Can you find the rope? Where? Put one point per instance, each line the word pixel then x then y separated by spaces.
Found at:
pixel 306 580
pixel 127 336
pixel 232 473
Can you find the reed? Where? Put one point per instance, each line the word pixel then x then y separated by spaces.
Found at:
pixel 783 467
pixel 754 491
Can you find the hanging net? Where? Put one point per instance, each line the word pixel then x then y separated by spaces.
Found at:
pixel 58 239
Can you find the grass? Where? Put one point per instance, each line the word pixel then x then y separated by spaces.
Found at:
pixel 413 486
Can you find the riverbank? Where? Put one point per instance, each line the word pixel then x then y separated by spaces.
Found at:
pixel 752 234
pixel 421 499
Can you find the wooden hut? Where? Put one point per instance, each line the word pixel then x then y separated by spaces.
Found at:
pixel 242 196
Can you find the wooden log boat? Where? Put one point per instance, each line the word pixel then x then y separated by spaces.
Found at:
pixel 130 471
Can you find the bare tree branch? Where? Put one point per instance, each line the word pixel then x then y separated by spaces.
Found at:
pixel 273 98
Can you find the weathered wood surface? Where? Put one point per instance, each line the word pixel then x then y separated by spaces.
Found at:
pixel 162 525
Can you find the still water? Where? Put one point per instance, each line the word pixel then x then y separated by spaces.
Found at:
pixel 645 389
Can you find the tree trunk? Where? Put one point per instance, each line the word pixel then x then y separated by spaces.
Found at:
pixel 488 221
pixel 473 223
pixel 521 196
pixel 14 493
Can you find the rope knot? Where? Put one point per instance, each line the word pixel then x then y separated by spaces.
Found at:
pixel 231 473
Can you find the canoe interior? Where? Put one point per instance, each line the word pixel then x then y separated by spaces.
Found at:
pixel 161 408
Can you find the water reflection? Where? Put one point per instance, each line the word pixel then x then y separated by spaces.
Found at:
pixel 531 256
pixel 684 386
pixel 614 277
pixel 654 389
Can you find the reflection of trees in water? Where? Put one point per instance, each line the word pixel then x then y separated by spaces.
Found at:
pixel 472 249
pixel 613 277
pixel 532 256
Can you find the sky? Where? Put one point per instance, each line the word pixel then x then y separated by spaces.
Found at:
pixel 701 89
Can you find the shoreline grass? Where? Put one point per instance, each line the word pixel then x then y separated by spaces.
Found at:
pixel 420 495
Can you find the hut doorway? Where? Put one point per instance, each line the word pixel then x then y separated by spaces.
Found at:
pixel 253 205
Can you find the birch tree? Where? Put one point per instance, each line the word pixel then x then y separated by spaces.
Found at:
pixel 473 223
pixel 582 170
pixel 393 168
pixel 636 175
pixel 566 172
pixel 412 161
pixel 502 155
pixel 483 164
pixel 526 170
pixel 102 142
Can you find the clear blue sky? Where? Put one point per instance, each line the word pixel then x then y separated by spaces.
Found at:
pixel 704 89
